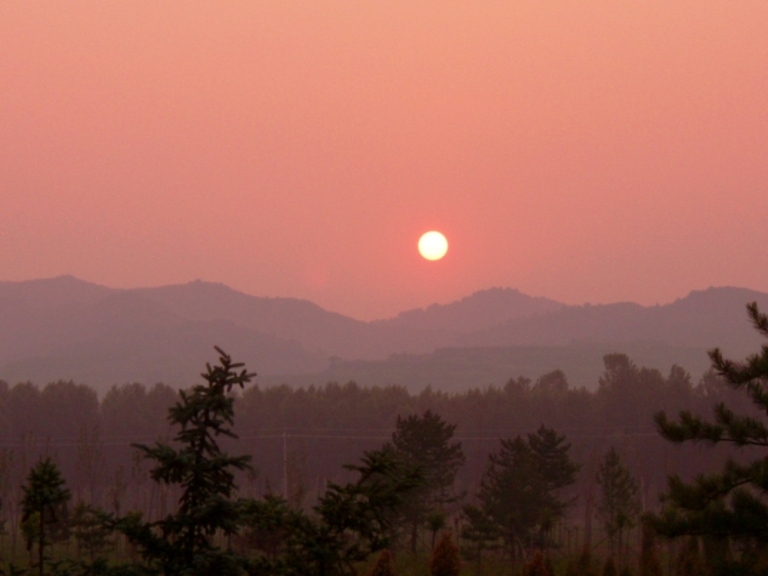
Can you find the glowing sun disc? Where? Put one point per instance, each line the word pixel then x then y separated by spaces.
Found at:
pixel 433 245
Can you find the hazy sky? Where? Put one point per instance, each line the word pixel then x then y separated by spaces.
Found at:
pixel 585 151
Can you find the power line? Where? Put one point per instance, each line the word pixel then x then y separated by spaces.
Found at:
pixel 607 433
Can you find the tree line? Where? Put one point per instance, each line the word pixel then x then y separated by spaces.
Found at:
pixel 500 471
pixel 405 486
pixel 300 439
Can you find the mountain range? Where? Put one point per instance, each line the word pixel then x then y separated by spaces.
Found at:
pixel 65 328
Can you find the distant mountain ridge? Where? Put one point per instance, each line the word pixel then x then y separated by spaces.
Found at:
pixel 703 319
pixel 70 329
pixel 472 313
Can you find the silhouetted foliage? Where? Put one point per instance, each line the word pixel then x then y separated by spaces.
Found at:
pixel 537 565
pixel 729 505
pixel 45 496
pixel 92 529
pixel 650 564
pixel 609 568
pixel 551 385
pixel 267 526
pixel 183 543
pixel 349 523
pixel 332 424
pixel 619 505
pixel 689 561
pixel 445 559
pixel 480 531
pixel 423 442
pixel 384 565
pixel 355 520
pixel 521 491
pixel 584 566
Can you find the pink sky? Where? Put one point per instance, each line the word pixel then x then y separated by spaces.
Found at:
pixel 585 151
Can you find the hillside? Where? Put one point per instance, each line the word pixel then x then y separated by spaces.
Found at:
pixel 69 329
pixel 703 319
pixel 479 311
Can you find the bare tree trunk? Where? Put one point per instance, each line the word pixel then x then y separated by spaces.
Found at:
pixel 588 523
pixel 41 545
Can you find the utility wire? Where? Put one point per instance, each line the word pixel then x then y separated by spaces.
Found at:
pixel 491 435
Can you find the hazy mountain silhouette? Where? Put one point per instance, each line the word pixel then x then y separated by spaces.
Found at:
pixel 703 319
pixel 332 334
pixel 66 328
pixel 103 336
pixel 479 311
pixel 318 330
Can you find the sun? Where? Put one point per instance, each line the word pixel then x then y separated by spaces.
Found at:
pixel 433 245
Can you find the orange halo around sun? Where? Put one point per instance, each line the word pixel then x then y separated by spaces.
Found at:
pixel 433 245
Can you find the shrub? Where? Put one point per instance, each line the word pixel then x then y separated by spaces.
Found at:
pixel 384 565
pixel 537 565
pixel 445 559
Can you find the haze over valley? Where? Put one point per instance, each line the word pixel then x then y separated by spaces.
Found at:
pixel 65 328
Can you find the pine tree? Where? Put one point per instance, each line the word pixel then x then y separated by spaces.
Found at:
pixel 619 505
pixel 511 493
pixel 267 526
pixel 92 530
pixel 350 521
pixel 480 531
pixel 424 441
pixel 521 490
pixel 183 544
pixel 44 496
pixel 557 471
pixel 445 560
pixel 729 505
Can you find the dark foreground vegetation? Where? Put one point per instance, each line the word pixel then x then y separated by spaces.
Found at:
pixel 534 478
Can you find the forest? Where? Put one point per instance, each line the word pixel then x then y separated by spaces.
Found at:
pixel 649 474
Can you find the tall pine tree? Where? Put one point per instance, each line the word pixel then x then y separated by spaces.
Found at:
pixel 423 442
pixel 729 506
pixel 522 489
pixel 44 496
pixel 619 504
pixel 183 543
